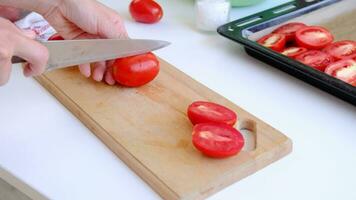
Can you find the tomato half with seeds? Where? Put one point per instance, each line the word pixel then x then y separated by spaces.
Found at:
pixel 135 71
pixel 313 37
pixel 289 30
pixel 217 140
pixel 344 70
pixel 56 37
pixel 316 59
pixel 204 112
pixel 274 41
pixel 293 52
pixel 342 50
pixel 146 11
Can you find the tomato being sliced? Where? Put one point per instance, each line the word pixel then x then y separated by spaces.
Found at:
pixel 316 59
pixel 289 30
pixel 217 140
pixel 146 11
pixel 135 71
pixel 342 50
pixel 293 52
pixel 204 112
pixel 274 41
pixel 344 70
pixel 313 37
pixel 56 37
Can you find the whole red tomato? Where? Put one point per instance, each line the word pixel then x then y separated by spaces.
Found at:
pixel 135 71
pixel 146 11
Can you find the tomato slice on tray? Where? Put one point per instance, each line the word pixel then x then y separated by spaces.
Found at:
pixel 316 59
pixel 289 30
pixel 274 41
pixel 342 50
pixel 135 71
pixel 313 37
pixel 203 112
pixel 217 140
pixel 293 52
pixel 344 70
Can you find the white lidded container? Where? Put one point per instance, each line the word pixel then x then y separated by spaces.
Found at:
pixel 210 14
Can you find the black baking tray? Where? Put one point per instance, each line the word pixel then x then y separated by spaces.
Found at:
pixel 246 30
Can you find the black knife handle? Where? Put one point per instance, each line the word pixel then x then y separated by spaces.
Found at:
pixel 16 59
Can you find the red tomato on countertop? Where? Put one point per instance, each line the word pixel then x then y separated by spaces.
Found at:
pixel 204 112
pixel 293 52
pixel 135 71
pixel 342 50
pixel 344 70
pixel 289 30
pixel 274 41
pixel 316 59
pixel 313 37
pixel 217 140
pixel 146 11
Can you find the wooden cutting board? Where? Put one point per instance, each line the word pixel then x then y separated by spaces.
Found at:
pixel 148 129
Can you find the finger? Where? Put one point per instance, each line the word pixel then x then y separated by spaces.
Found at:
pixel 109 78
pixel 34 53
pixel 29 33
pixel 99 70
pixel 85 70
pixel 5 70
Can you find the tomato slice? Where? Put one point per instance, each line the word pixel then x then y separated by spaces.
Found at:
pixel 146 11
pixel 313 37
pixel 344 70
pixel 293 52
pixel 204 112
pixel 274 41
pixel 217 140
pixel 289 30
pixel 316 59
pixel 56 37
pixel 342 50
pixel 135 71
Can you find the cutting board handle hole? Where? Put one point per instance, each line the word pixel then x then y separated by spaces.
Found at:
pixel 248 130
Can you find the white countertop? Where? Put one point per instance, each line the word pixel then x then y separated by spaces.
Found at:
pixel 44 145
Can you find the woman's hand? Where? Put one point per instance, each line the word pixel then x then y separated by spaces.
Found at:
pixel 80 19
pixel 15 42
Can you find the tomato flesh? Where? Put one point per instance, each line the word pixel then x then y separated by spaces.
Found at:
pixel 135 71
pixel 274 41
pixel 344 70
pixel 217 140
pixel 146 11
pixel 204 112
pixel 293 52
pixel 56 37
pixel 313 37
pixel 342 50
pixel 316 59
pixel 289 30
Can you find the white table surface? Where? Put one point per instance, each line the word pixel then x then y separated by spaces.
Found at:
pixel 44 145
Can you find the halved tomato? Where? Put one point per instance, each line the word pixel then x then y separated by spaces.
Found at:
pixel 342 50
pixel 344 70
pixel 274 41
pixel 293 52
pixel 316 59
pixel 217 140
pixel 203 112
pixel 289 30
pixel 313 37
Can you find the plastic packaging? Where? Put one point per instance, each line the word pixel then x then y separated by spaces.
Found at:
pixel 210 14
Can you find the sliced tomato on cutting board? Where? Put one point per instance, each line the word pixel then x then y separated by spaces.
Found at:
pixel 313 37
pixel 293 52
pixel 289 30
pixel 317 59
pixel 204 112
pixel 344 70
pixel 217 140
pixel 56 37
pixel 342 50
pixel 274 41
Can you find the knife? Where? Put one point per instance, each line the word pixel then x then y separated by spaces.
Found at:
pixel 74 52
